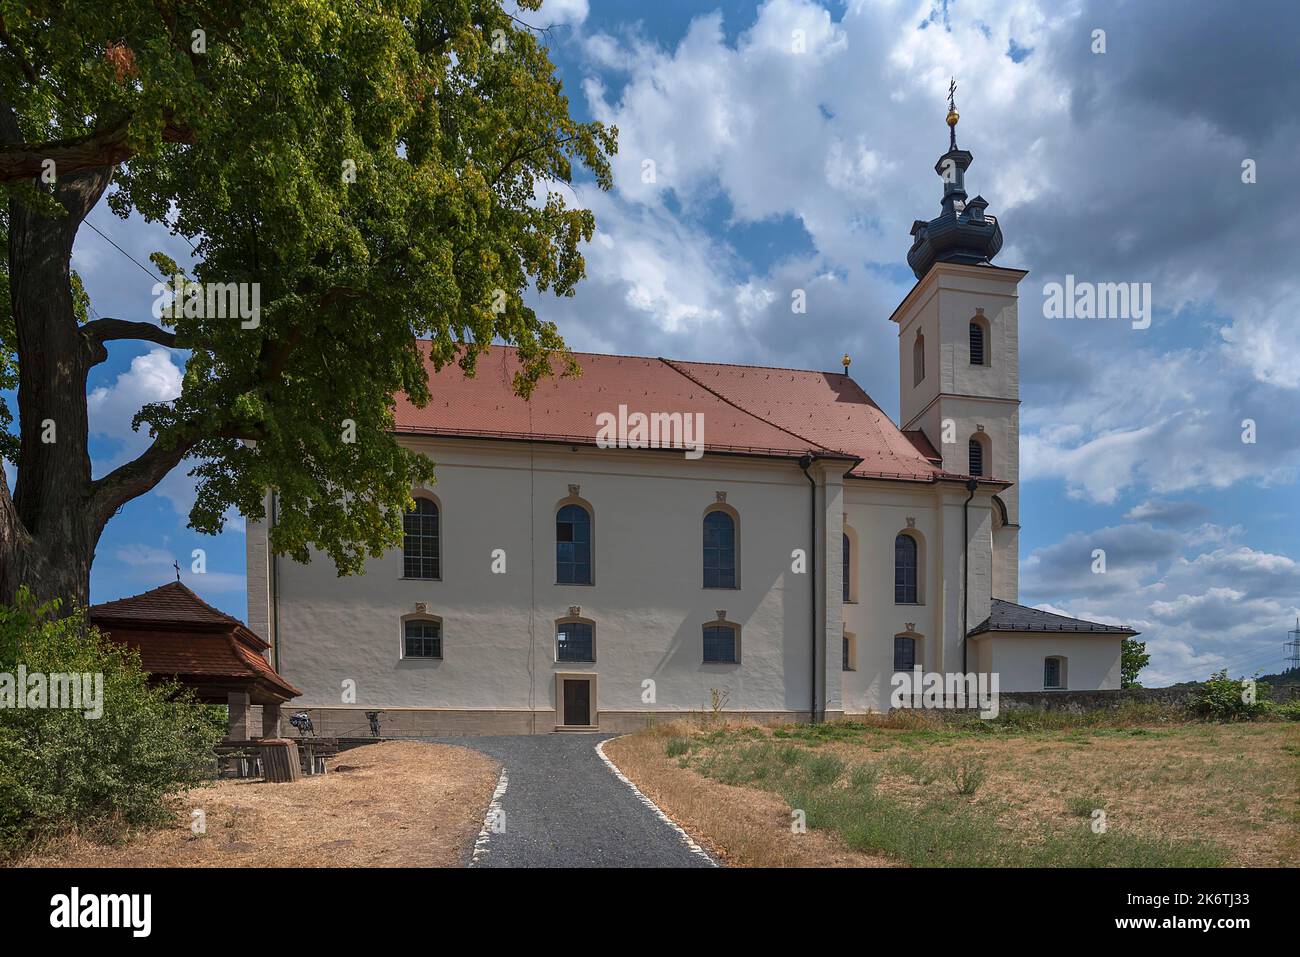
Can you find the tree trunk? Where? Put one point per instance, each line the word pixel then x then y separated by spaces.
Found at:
pixel 48 532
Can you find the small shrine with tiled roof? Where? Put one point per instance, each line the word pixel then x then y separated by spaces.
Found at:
pixel 181 637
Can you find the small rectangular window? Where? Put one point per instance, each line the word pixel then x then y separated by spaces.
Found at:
pixel 1052 673
pixel 847 654
pixel 423 639
pixel 904 653
pixel 720 645
pixel 575 641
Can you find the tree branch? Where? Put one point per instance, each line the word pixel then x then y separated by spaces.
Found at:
pixel 136 477
pixel 517 154
pixel 108 329
pixel 105 147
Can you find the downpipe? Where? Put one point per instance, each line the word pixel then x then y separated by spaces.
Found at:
pixel 805 463
pixel 971 487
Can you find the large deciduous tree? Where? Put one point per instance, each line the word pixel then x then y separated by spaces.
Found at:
pixel 383 171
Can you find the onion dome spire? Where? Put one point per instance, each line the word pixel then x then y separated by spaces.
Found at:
pixel 962 232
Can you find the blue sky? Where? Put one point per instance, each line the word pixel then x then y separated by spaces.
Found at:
pixel 779 169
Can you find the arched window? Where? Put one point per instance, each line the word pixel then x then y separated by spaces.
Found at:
pixel 575 640
pixel 721 643
pixel 976 448
pixel 1054 673
pixel 848 579
pixel 905 570
pixel 719 549
pixel 421 638
pixel 978 353
pixel 918 359
pixel 420 557
pixel 904 653
pixel 573 545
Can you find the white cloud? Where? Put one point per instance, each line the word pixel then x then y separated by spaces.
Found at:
pixel 1198 611
pixel 152 377
pixel 552 13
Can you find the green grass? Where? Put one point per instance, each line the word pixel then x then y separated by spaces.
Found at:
pixel 941 832
pixel 1083 806
pixel 676 747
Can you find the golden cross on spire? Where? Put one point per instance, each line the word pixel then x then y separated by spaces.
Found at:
pixel 952 113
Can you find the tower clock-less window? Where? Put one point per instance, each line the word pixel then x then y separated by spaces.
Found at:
pixel 978 355
pixel 976 457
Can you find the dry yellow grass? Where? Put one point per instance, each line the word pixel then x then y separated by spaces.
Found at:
pixel 1233 785
pixel 1237 786
pixel 742 826
pixel 395 804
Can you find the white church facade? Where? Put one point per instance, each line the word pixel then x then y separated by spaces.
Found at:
pixel 813 550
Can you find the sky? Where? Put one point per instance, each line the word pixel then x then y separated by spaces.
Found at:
pixel 793 144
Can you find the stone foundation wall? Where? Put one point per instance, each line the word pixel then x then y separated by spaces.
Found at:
pixel 428 723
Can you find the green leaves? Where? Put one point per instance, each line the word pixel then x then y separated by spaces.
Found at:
pixel 383 172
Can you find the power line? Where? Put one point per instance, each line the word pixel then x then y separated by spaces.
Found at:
pixel 147 271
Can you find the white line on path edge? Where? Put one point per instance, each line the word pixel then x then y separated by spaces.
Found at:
pixel 490 817
pixel 686 838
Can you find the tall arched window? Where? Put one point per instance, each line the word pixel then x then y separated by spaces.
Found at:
pixel 420 555
pixel 905 569
pixel 976 457
pixel 918 359
pixel 978 353
pixel 573 545
pixel 719 549
pixel 848 579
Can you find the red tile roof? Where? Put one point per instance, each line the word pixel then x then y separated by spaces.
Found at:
pixel 173 603
pixel 180 635
pixel 755 410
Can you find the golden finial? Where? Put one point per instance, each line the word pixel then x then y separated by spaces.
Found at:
pixel 846 360
pixel 953 115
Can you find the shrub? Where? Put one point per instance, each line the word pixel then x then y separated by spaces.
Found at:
pixel 966 774
pixel 60 770
pixel 1224 699
pixel 1289 711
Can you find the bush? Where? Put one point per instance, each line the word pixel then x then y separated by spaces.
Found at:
pixel 61 770
pixel 966 774
pixel 676 747
pixel 1289 711
pixel 1224 699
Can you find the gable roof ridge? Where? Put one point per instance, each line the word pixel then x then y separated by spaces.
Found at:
pixel 507 348
pixel 743 365
pixel 670 363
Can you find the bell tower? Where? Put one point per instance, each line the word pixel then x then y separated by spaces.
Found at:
pixel 958 348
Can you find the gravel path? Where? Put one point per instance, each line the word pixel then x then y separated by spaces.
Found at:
pixel 564 807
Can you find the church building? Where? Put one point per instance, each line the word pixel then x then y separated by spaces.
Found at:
pixel 786 566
